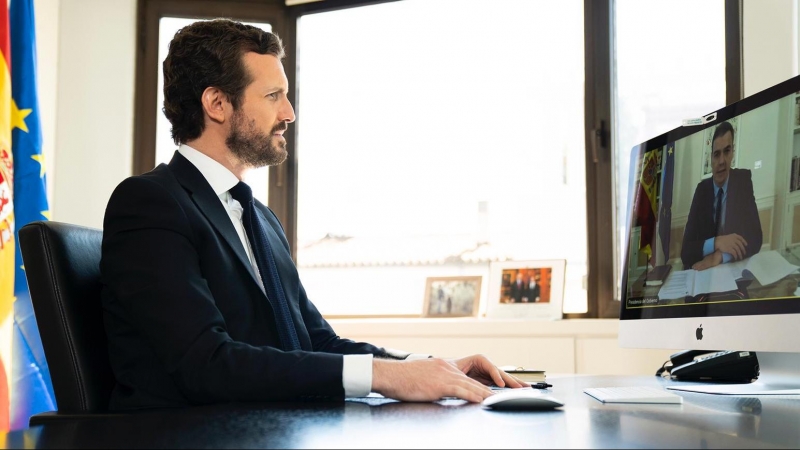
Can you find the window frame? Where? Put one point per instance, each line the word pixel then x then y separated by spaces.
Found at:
pixel 283 179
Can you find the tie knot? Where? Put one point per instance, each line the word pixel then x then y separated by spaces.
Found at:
pixel 242 193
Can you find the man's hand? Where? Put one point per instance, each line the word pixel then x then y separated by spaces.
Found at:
pixel 709 261
pixel 479 368
pixel 732 244
pixel 425 380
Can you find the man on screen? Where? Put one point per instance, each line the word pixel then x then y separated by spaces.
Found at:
pixel 723 223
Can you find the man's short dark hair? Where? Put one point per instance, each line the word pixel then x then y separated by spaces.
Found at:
pixel 723 128
pixel 205 54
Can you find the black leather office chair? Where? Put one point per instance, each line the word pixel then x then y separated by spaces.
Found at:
pixel 62 265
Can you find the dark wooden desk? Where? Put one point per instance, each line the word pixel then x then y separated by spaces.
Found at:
pixel 703 421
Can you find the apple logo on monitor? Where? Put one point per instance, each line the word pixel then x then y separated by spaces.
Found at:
pixel 699 332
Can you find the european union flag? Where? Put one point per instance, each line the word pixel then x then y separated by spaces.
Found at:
pixel 31 387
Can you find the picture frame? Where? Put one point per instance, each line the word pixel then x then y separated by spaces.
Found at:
pixel 708 134
pixel 452 296
pixel 543 299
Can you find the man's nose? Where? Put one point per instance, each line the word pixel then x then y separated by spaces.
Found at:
pixel 287 112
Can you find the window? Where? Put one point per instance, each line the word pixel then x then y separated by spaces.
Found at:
pixel 435 151
pixel 434 137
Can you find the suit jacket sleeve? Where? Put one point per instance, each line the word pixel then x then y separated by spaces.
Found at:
pixel 150 264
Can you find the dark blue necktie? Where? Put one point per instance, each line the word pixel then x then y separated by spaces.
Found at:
pixel 718 213
pixel 265 260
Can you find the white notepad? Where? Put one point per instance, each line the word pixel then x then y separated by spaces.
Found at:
pixel 634 394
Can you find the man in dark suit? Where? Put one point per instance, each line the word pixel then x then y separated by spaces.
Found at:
pixel 518 289
pixel 533 291
pixel 723 223
pixel 202 301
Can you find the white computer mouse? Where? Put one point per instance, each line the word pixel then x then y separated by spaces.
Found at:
pixel 521 400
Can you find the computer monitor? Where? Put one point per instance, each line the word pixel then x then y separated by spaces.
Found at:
pixel 714 237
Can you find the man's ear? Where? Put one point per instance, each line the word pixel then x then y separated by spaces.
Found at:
pixel 214 102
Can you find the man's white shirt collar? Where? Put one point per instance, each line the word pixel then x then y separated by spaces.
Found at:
pixel 218 176
pixel 724 186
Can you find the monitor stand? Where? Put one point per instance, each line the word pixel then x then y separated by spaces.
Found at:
pixel 779 375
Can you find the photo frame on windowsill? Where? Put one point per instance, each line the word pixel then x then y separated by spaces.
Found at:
pixel 526 289
pixel 452 296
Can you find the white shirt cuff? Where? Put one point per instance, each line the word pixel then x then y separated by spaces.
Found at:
pixel 357 375
pixel 415 356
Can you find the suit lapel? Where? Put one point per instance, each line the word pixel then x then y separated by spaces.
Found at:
pixel 208 203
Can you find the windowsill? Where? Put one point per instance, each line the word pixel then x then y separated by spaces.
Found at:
pixel 474 327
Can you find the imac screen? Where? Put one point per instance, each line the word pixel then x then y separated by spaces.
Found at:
pixel 713 214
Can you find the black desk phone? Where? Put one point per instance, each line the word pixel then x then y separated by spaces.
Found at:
pixel 710 365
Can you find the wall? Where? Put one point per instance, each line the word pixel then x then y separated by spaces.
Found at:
pixel 47 30
pixel 758 142
pixel 94 137
pixel 583 346
pixel 769 43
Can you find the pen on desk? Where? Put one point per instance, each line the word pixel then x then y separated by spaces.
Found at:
pixel 539 385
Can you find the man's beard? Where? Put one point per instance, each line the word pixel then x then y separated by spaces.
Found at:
pixel 253 147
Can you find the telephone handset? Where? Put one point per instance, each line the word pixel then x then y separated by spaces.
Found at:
pixel 710 365
pixel 687 356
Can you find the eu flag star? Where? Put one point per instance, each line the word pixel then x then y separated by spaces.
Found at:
pixel 18 117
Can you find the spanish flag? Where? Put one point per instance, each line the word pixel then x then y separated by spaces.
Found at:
pixel 7 265
pixel 31 387
pixel 646 201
